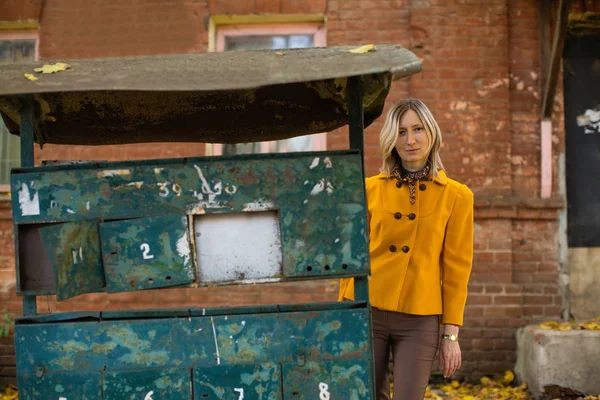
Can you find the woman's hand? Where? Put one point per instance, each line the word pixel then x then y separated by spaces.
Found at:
pixel 450 357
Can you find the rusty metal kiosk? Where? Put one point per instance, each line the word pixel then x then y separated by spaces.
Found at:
pixel 86 227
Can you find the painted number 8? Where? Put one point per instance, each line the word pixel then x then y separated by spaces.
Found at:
pixel 324 393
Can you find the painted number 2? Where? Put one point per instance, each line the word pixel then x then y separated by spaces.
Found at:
pixel 323 391
pixel 145 247
pixel 241 392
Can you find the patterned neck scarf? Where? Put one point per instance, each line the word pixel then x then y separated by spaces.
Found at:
pixel 409 177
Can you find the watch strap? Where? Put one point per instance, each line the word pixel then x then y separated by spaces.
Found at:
pixel 452 338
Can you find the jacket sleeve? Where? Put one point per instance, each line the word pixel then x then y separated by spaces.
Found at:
pixel 346 291
pixel 457 258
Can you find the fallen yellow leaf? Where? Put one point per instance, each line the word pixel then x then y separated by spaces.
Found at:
pixel 279 53
pixel 31 77
pixel 455 383
pixel 52 68
pixel 564 326
pixel 446 388
pixel 363 49
pixel 509 376
pixel 549 325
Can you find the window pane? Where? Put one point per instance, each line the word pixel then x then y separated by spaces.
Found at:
pixel 270 42
pixel 10 153
pixel 12 51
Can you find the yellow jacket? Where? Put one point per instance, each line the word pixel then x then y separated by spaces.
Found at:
pixel 415 247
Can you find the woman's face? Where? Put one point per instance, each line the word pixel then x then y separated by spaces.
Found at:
pixel 413 142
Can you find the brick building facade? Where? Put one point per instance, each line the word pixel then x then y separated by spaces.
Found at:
pixel 482 79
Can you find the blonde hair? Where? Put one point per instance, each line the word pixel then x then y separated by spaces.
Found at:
pixel 389 136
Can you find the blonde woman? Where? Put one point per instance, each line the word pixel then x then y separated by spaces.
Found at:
pixel 421 235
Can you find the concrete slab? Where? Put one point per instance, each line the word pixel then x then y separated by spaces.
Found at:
pixel 550 358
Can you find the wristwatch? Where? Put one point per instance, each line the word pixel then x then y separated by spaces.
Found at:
pixel 452 338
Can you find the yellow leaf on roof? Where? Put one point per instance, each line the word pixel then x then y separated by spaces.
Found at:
pixel 363 49
pixel 31 77
pixel 52 68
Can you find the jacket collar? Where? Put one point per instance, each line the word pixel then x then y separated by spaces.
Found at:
pixel 442 179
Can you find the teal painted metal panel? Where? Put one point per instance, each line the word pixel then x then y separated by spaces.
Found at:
pixel 188 312
pixel 67 386
pixel 74 252
pixel 238 382
pixel 193 342
pixel 148 384
pixel 319 198
pixel 347 380
pixel 146 253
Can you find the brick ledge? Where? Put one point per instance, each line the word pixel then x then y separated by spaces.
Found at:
pixel 501 207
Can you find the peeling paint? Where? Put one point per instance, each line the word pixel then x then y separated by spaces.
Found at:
pixel 590 121
pixel 321 186
pixel 212 321
pixel 259 205
pixel 29 205
pixel 114 172
pixel 183 249
pixel 314 163
pixel 137 185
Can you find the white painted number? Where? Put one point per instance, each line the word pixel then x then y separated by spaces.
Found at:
pixel 164 190
pixel 241 392
pixel 146 251
pixel 177 189
pixel 149 395
pixel 77 256
pixel 62 398
pixel 324 393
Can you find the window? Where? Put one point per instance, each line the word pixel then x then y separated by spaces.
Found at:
pixel 274 36
pixel 15 46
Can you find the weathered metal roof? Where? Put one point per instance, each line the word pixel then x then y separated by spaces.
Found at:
pixel 209 97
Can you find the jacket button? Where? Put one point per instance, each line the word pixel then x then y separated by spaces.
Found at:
pixel 398 215
pixel 411 216
pixel 405 249
pixel 392 248
pixel 422 186
pixel 398 184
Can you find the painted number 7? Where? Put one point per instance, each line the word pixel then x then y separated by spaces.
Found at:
pixel 241 392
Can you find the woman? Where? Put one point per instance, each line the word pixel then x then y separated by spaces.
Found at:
pixel 421 235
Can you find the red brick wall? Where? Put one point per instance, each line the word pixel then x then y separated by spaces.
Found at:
pixel 481 78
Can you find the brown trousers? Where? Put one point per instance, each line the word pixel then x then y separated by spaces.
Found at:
pixel 414 340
